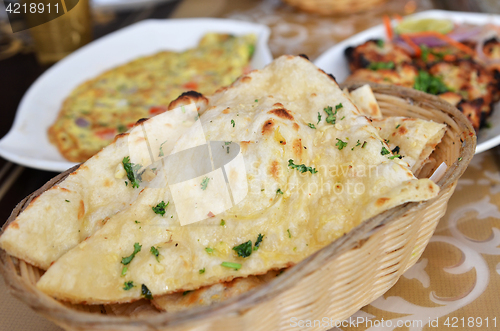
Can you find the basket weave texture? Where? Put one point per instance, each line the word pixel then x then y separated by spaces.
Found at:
pixel 334 7
pixel 334 282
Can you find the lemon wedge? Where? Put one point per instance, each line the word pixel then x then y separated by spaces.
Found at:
pixel 426 24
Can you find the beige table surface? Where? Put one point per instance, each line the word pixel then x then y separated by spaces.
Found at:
pixel 458 275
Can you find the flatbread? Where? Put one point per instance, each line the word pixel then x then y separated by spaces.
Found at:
pixel 415 138
pixel 366 102
pixel 340 174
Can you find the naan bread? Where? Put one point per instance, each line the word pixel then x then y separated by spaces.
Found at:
pixel 71 211
pixel 415 138
pixel 340 174
pixel 366 102
pixel 208 295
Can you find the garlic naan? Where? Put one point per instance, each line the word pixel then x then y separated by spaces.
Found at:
pixel 315 170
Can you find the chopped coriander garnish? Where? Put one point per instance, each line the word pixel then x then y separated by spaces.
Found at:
pixel 342 118
pixel 340 144
pixel 319 118
pixel 204 183
pixel 301 167
pixel 395 150
pixel 227 143
pixel 146 292
pixel 126 183
pixel 279 191
pixel 160 208
pixel 311 125
pixel 397 126
pixel 262 190
pixel 186 292
pixel 227 149
pixel 258 242
pixel 124 271
pixel 381 65
pixel 331 115
pixel 384 151
pixel 67 200
pixel 128 259
pixel 256 100
pixel 337 107
pixel 209 250
pixel 289 234
pixel 128 285
pixel 232 122
pixel 161 149
pixel 202 271
pixel 155 252
pixel 380 43
pixel 429 84
pixel 244 250
pixel 395 156
pixel 460 159
pixel 131 170
pixel 364 144
pixel 137 222
pixel 231 265
pixel 222 222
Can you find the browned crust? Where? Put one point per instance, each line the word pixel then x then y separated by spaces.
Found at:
pixel 187 98
pixel 281 112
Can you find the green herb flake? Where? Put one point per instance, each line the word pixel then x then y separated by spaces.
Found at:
pixel 397 126
pixel 279 191
pixel 331 115
pixel 460 159
pixel 340 144
pixel 231 265
pixel 222 222
pixel 244 250
pixel 146 292
pixel 364 144
pixel 301 167
pixel 209 250
pixel 251 50
pixel 161 149
pixel 128 285
pixel 396 150
pixel 186 292
pixel 256 100
pixel 155 252
pixel 160 208
pixel 128 259
pixel 202 271
pixel 124 271
pixel 67 200
pixel 131 170
pixel 204 183
pixel 342 118
pixel 380 43
pixel 232 122
pixel 227 143
pixel 384 151
pixel 319 118
pixel 312 126
pixel 289 234
pixel 381 65
pixel 258 242
pixel 429 84
pixel 137 222
pixel 392 157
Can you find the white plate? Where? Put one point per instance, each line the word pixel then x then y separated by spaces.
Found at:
pixel 27 142
pixel 125 4
pixel 333 61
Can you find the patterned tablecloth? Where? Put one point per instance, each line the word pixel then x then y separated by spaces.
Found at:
pixel 457 280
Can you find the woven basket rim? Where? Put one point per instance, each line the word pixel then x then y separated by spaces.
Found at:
pixel 36 299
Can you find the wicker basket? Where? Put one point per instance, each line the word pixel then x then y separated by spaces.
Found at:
pixel 334 7
pixel 334 282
